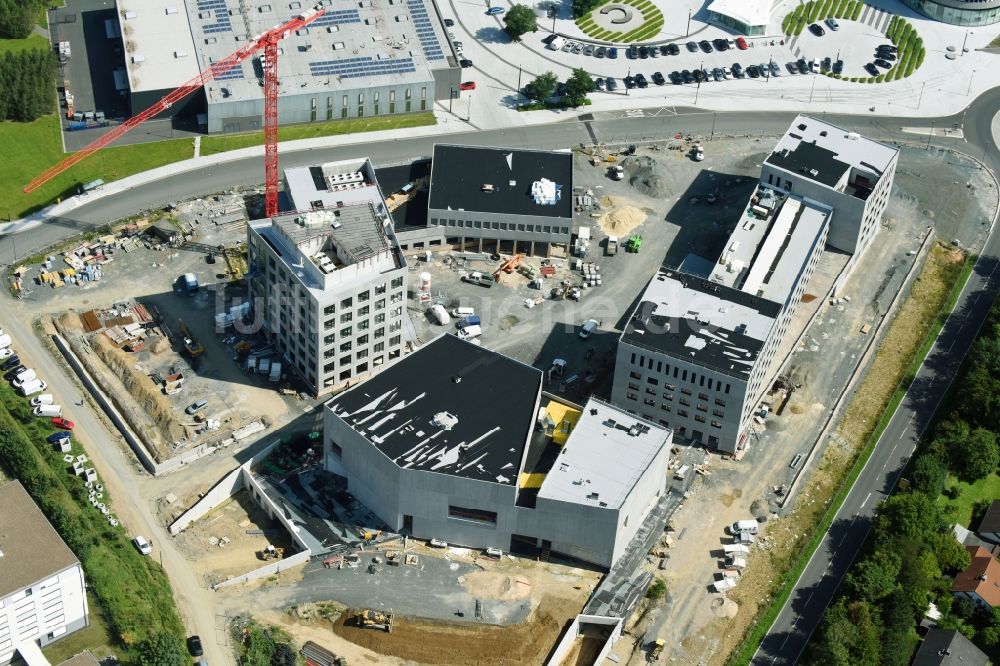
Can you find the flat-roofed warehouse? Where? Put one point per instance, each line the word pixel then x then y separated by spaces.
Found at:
pixel 361 58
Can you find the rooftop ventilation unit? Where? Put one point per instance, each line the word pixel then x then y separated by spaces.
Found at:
pixel 546 193
pixel 445 420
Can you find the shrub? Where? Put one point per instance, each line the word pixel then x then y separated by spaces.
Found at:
pixel 656 590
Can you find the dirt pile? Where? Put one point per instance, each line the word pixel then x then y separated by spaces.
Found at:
pixel 622 221
pixel 493 585
pixel 647 177
pixel 465 644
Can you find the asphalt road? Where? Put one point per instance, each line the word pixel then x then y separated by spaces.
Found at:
pixel 817 585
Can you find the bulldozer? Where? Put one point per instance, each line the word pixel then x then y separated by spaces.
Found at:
pixel 191 343
pixel 271 553
pixel 373 619
pixel 657 650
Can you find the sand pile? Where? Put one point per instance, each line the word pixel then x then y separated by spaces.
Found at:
pixel 622 221
pixel 492 585
pixel 723 607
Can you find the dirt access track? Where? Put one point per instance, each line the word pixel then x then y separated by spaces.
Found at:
pixel 466 643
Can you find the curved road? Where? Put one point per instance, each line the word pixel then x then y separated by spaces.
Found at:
pixel 817 585
pixel 814 590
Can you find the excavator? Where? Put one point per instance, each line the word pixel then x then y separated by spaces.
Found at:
pixel 373 619
pixel 191 343
pixel 508 266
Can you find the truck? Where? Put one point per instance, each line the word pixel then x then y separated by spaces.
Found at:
pixel 634 243
pixel 724 585
pixel 471 320
pixel 482 279
pixel 736 562
pixel 612 246
pixel 275 374
pixel 33 387
pixel 187 284
pixel 735 549
pixel 582 245
pixel 24 377
pixel 438 313
pixel 47 410
pixel 469 332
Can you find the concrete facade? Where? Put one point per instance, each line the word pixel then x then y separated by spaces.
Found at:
pixel 329 286
pixel 564 505
pixel 42 590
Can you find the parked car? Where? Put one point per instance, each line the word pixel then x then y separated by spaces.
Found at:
pixel 63 423
pixel 692 47
pixel 612 84
pixel 753 72
pixel 643 52
pixel 495 11
pixel 802 65
pixel 705 46
pixel 720 44
pixel 792 67
pixel 816 29
pixel 727 73
pixel 654 52
pixel 588 50
pixel 633 52
pixel 775 70
pixel 673 49
pixel 11 362
pixel 871 69
pixel 826 64
pixel 665 49
pixel 57 437
pixel 601 51
pixel 448 23
pixel 599 82
pixel 717 74
pixel 196 407
pixel 687 76
pixel 675 78
pixel 194 646
pixel 838 67
pixel 568 46
pixel 578 49
pixel 465 63
pixel 142 545
pixel 14 372
pixel 630 82
pixel 741 44
pixel 882 63
pixel 613 52
pixel 814 66
pixel 885 55
pixel 699 76
pixel 738 70
pixel 658 78
pixel 891 47
pixel 588 328
pixel 640 81
pixel 832 24
pixel 467 85
pixel 6 352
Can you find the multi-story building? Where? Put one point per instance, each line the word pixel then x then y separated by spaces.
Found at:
pixel 850 173
pixel 448 444
pixel 356 60
pixel 501 199
pixel 328 286
pixel 699 352
pixel 42 592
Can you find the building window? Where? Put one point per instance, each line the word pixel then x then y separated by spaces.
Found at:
pixel 703 396
pixel 720 402
pixel 406 93
pixel 682 412
pixel 686 391
pixel 716 424
pixel 652 380
pixel 631 396
pixel 477 515
pixel 346 303
pixel 423 93
pixel 397 283
pixel 379 289
pixel 346 347
pixel 363 311
pixel 633 386
pixel 396 297
pixel 668 396
pixel 361 98
pixel 393 341
pixel 380 318
pixel 650 402
pixel 650 390
pixel 345 332
pixel 345 101
pixel 699 418
pixel 665 408
pixel 701 407
pixel 718 412
pixel 685 402
pixel 329 310
pixel 635 375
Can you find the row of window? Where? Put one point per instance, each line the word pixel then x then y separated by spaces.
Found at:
pixel 680 374
pixel 649 402
pixel 500 226
pixel 407 94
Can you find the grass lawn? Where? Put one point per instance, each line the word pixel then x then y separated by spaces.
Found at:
pixel 220 144
pixel 95 638
pixel 959 510
pixel 30 148
pixel 18 45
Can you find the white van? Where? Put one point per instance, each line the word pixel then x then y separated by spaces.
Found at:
pixel 473 331
pixel 24 376
pixel 556 44
pixel 48 410
pixel 32 387
pixel 4 341
pixel 588 328
pixel 744 526
pixel 43 399
pixel 463 312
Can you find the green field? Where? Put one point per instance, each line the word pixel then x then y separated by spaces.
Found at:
pixel 96 637
pixel 18 45
pixel 220 144
pixel 30 148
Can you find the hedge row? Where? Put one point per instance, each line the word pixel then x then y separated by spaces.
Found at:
pixel 819 10
pixel 652 24
pixel 133 590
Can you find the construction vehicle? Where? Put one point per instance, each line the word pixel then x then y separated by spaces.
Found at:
pixel 372 619
pixel 616 172
pixel 612 246
pixel 657 650
pixel 230 66
pixel 271 553
pixel 528 271
pixel 508 266
pixel 633 244
pixel 191 344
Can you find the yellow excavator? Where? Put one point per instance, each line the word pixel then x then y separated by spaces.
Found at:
pixel 373 619
pixel 191 343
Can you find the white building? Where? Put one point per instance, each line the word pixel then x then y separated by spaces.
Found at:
pixel 698 354
pixel 450 443
pixel 42 594
pixel 329 285
pixel 744 17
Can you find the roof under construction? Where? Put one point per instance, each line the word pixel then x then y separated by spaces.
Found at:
pixel 451 407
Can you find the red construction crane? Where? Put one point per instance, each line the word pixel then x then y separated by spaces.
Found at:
pixel 269 63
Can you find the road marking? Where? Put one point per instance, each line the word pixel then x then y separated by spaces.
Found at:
pixel 635 113
pixel 866 501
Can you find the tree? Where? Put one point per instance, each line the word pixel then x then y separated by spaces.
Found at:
pixel 929 475
pixel 874 577
pixel 18 18
pixel 162 650
pixel 518 20
pixel 656 590
pixel 976 456
pixel 898 635
pixel 284 655
pixel 848 635
pixel 543 87
pixel 578 86
pixel 582 7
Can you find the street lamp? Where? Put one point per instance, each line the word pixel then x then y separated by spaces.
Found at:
pixel 964 41
pixel 969 91
pixel 688 34
pixel 699 77
pixel 451 97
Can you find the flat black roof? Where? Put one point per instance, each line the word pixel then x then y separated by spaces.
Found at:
pixel 808 158
pixel 730 351
pixel 420 417
pixel 458 174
